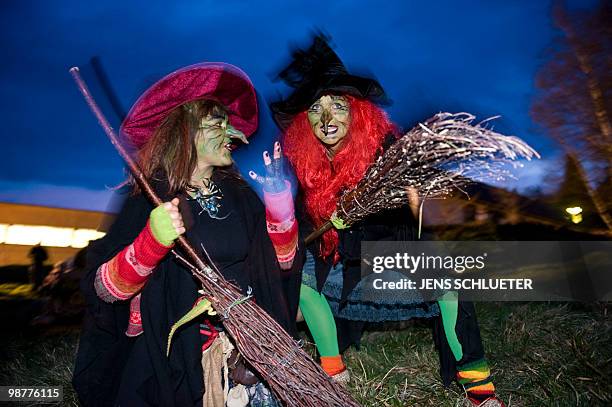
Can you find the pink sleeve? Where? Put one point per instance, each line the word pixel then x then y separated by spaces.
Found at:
pixel 282 225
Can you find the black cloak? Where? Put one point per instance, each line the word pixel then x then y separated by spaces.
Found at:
pixel 113 369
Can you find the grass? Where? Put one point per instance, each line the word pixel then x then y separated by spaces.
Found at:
pixel 541 355
pixel 40 361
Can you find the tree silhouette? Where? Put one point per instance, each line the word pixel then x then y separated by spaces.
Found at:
pixel 573 192
pixel 574 99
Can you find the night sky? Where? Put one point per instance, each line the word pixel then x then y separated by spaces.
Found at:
pixel 430 56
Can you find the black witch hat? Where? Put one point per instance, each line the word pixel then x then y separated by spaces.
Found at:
pixel 316 72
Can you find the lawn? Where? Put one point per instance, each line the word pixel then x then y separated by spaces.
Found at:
pixel 541 354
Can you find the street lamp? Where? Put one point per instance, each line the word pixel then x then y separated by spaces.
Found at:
pixel 575 212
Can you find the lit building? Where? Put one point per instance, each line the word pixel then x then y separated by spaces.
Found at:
pixel 62 232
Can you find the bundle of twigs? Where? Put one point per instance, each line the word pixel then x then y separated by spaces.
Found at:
pixel 291 374
pixel 434 158
pixel 289 371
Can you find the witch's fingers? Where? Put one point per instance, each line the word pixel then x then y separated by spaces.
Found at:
pixel 256 177
pixel 277 166
pixel 277 150
pixel 234 133
pixel 266 158
pixel 278 161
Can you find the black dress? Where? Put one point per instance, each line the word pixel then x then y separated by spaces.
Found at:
pixel 113 369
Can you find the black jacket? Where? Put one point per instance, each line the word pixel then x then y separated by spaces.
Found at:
pixel 113 369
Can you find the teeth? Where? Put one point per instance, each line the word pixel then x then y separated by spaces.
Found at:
pixel 330 129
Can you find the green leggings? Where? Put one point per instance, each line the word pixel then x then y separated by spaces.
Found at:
pixel 449 308
pixel 320 321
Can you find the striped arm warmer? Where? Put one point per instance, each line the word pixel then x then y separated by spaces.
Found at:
pixel 282 225
pixel 124 275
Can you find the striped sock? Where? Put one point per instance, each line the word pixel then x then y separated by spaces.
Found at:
pixel 475 379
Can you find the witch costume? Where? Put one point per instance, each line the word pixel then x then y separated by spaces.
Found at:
pixel 332 262
pixel 122 351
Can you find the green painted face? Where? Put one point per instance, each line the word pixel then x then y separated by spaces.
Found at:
pixel 329 119
pixel 213 141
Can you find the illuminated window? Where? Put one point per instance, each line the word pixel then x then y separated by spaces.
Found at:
pixel 47 236
pixel 81 237
pixel 59 237
pixel 3 228
pixel 22 234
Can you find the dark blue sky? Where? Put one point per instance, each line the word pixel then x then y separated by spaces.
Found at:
pixel 431 56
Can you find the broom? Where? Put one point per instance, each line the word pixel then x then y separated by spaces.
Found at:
pixel 435 158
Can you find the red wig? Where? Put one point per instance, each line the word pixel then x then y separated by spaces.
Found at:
pixel 323 180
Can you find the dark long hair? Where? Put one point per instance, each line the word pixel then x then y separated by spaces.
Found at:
pixel 171 151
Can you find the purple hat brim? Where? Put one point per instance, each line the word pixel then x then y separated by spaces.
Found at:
pixel 217 81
